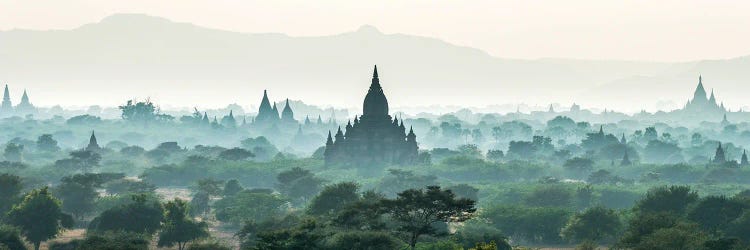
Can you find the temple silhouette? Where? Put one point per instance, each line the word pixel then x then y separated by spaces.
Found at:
pixel 373 139
pixel 22 109
pixel 702 104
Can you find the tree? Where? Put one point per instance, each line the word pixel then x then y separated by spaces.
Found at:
pixel 662 152
pixel 495 155
pixel 714 213
pixel 333 198
pixel 107 240
pixel 739 227
pixel 140 216
pixel 672 199
pixel 298 184
pixel 46 143
pixel 85 159
pixel 235 154
pixel 39 217
pixel 549 196
pixel 372 240
pixel 209 186
pixel 249 205
pixel 682 236
pixel 140 112
pixel 10 189
pixel 232 187
pixel 465 191
pixel 178 229
pixel 579 165
pixel 78 192
pixel 199 204
pixel 10 238
pixel 416 210
pixel 13 152
pixel 643 225
pixel 594 224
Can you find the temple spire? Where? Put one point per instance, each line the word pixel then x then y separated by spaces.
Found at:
pixel 93 144
pixel 700 92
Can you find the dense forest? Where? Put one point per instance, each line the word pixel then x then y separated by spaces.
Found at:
pixel 547 179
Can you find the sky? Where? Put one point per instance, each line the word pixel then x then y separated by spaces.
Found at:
pixel 643 30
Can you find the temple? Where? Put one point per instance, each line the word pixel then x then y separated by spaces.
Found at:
pixel 702 104
pixel 373 139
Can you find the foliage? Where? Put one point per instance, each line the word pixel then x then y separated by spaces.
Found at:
pixel 11 238
pixel 178 229
pixel 672 199
pixel 333 198
pixel 140 216
pixel 298 184
pixel 249 205
pixel 10 189
pixel 109 241
pixel 417 210
pixel 594 224
pixel 39 217
pixel 372 240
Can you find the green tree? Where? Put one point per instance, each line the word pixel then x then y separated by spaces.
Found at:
pixel 232 187
pixel 10 238
pixel 579 165
pixel 672 199
pixel 179 229
pixel 298 184
pixel 333 198
pixel 85 160
pixel 13 152
pixel 199 204
pixel 417 210
pixel 107 240
pixel 140 216
pixel 371 240
pixel 595 224
pixel 78 192
pixel 714 213
pixel 209 186
pixel 739 228
pixel 141 112
pixel 549 196
pixel 39 217
pixel 46 143
pixel 682 236
pixel 249 205
pixel 235 154
pixel 10 189
pixel 643 225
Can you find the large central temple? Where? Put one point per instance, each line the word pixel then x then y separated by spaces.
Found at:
pixel 373 139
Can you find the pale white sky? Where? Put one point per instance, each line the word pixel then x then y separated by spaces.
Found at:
pixel 663 30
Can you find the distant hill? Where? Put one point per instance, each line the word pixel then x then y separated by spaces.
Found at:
pixel 180 64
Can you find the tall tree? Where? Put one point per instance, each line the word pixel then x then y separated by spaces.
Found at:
pixel 140 216
pixel 179 229
pixel 10 189
pixel 594 224
pixel 39 217
pixel 417 210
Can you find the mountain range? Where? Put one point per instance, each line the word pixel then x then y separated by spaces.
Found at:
pixel 184 65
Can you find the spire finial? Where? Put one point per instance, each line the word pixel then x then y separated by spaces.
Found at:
pixel 375 72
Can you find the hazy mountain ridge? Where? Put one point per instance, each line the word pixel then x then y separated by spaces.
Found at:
pixel 136 55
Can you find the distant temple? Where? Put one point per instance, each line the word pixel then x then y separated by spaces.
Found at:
pixel 266 113
pixel 374 138
pixel 22 109
pixel 93 146
pixel 25 107
pixel 6 108
pixel 702 104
